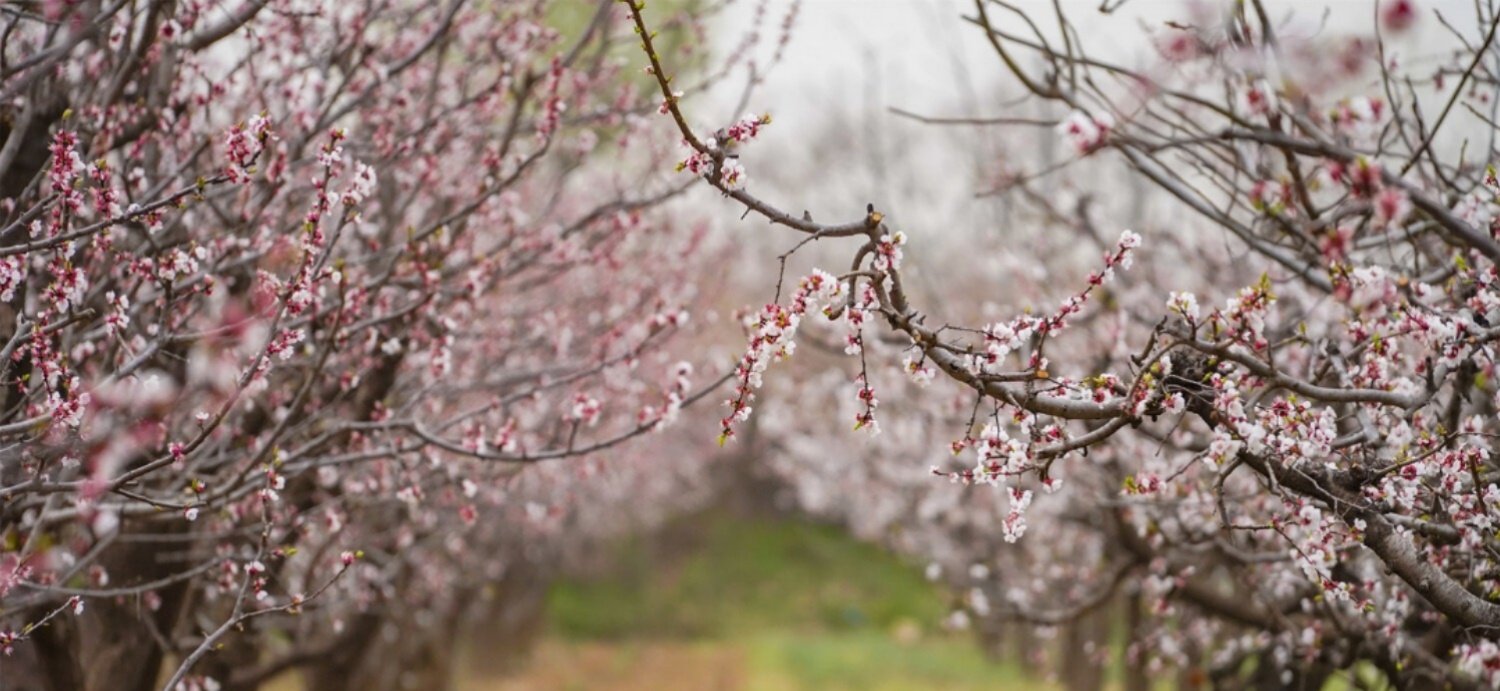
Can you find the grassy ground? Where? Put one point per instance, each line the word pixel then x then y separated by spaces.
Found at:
pixel 719 576
pixel 720 604
pixel 765 661
pixel 754 606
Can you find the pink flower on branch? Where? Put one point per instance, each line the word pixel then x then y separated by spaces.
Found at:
pixel 243 146
pixel 1086 133
pixel 772 339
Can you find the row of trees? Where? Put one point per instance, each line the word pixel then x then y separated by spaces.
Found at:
pixel 1266 425
pixel 299 301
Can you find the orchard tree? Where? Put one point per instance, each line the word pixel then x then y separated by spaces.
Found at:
pixel 298 300
pixel 1280 439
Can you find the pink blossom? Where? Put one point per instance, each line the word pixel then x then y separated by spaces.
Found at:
pixel 1086 133
pixel 1398 15
pixel 1392 205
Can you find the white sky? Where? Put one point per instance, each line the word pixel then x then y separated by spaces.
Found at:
pixel 850 60
pixel 916 51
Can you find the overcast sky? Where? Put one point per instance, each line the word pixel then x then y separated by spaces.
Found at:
pixel 922 51
pixel 851 60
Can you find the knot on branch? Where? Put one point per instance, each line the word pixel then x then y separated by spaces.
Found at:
pixel 1189 377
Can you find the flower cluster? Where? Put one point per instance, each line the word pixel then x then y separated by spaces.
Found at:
pixel 1002 339
pixel 920 373
pixel 1086 133
pixel 1359 117
pixel 666 103
pixel 1015 519
pixel 243 145
pixel 1480 660
pixel 554 106
pixel 718 161
pixel 747 129
pixel 275 483
pixel 584 409
pixel 65 169
pixel 1362 177
pixel 888 252
pixel 772 339
pixel 1244 315
pixel 361 186
pixel 1257 99
pixel 660 418
pixel 1184 304
pixel 1272 197
pixel 865 419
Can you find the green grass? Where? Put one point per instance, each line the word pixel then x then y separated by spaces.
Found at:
pixel 740 576
pixel 806 606
pixel 870 660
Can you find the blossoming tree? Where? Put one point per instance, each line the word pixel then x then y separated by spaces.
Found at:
pixel 297 299
pixel 1280 438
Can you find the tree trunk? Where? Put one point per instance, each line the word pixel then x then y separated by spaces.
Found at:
pixel 512 623
pixel 1135 671
pixel 1085 643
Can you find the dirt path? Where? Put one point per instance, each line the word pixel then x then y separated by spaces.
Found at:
pixel 634 666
